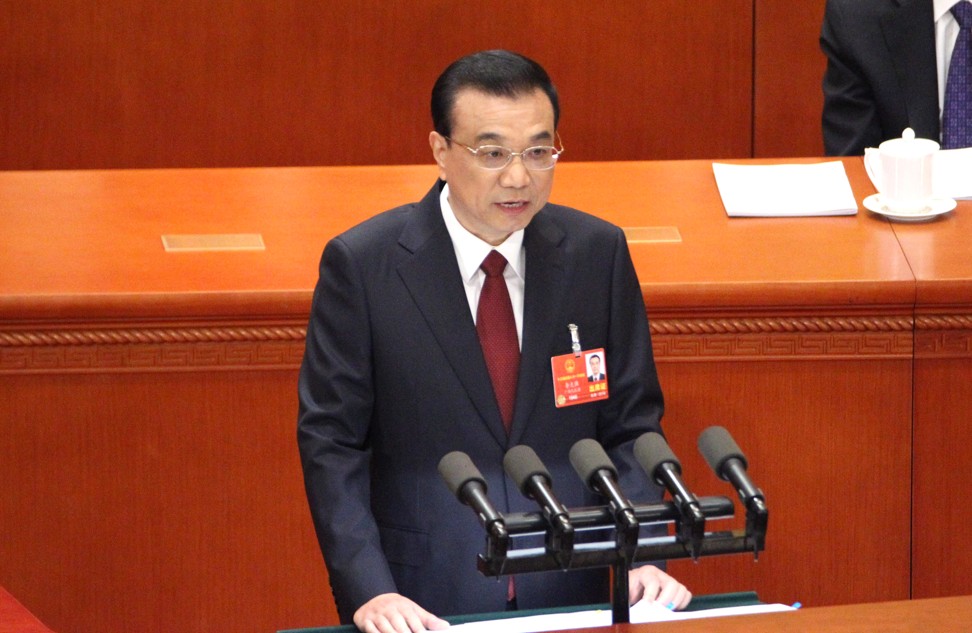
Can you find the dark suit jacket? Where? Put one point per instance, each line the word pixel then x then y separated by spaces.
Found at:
pixel 881 73
pixel 394 378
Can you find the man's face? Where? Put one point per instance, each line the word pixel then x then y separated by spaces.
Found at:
pixel 494 204
pixel 595 365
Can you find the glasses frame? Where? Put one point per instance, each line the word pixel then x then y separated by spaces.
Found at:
pixel 476 150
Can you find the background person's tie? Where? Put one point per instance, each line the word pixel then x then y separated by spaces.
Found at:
pixel 957 113
pixel 497 335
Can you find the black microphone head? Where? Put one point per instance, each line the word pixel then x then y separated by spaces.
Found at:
pixel 457 470
pixel 521 463
pixel 587 457
pixel 651 450
pixel 717 446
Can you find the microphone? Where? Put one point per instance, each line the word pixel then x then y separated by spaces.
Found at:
pixel 653 453
pixel 532 478
pixel 656 457
pixel 729 464
pixel 467 483
pixel 599 474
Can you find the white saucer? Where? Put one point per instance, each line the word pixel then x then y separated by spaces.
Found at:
pixel 935 208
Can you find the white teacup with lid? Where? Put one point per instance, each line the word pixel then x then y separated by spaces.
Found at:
pixel 906 173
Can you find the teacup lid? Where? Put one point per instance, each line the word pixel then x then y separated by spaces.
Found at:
pixel 908 145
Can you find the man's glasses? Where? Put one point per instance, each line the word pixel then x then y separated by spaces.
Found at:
pixel 496 157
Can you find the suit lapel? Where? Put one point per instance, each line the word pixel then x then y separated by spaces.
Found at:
pixel 542 305
pixel 909 31
pixel 432 278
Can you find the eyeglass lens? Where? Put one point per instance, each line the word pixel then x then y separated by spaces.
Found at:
pixel 496 157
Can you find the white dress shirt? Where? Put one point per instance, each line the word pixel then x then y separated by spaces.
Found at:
pixel 470 253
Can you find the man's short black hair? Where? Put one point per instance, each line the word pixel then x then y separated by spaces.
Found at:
pixel 498 72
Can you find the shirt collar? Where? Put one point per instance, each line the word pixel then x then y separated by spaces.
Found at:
pixel 942 8
pixel 471 251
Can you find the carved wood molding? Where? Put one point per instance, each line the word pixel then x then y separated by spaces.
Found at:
pixel 943 336
pixel 775 325
pixel 281 346
pixel 108 350
pixel 50 338
pixel 943 322
pixel 782 338
pixel 162 357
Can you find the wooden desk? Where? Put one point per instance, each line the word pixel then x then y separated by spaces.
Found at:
pixel 940 254
pixel 150 468
pixel 149 399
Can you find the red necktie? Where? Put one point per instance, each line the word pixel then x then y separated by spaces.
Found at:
pixel 497 335
pixel 501 347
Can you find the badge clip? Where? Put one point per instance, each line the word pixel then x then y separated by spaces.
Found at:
pixel 575 345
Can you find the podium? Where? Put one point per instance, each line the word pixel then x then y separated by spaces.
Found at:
pixel 904 616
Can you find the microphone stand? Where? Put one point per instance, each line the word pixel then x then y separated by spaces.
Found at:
pixel 620 609
pixel 626 548
pixel 626 544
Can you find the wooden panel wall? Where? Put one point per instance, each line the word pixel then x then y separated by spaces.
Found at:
pixel 147 399
pixel 184 83
pixel 145 487
pixel 941 256
pixel 788 69
pixel 943 460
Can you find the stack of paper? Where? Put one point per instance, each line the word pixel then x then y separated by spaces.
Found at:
pixel 642 612
pixel 785 190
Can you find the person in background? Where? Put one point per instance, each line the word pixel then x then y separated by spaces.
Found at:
pixel 888 67
pixel 411 283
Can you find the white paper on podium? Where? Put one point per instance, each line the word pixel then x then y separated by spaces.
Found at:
pixel 789 190
pixel 951 172
pixel 640 613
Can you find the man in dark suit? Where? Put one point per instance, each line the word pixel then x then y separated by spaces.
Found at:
pixel 394 376
pixel 881 73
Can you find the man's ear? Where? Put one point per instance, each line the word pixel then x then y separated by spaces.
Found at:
pixel 439 146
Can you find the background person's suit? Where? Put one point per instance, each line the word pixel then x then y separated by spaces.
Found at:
pixel 881 73
pixel 394 372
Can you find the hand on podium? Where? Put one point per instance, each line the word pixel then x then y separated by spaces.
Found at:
pixel 650 583
pixel 394 613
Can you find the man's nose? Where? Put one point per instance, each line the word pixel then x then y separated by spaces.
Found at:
pixel 515 174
